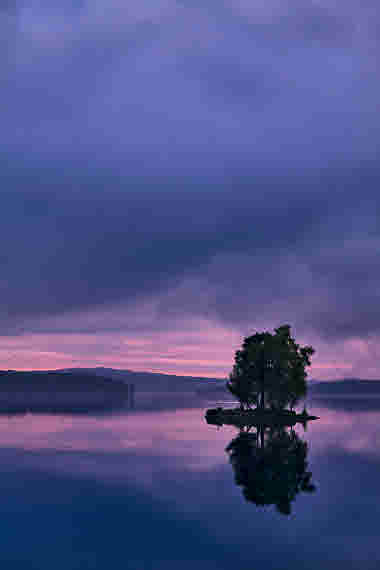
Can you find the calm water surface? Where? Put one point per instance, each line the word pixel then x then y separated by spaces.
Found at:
pixel 154 488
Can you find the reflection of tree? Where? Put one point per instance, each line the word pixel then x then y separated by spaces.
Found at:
pixel 270 466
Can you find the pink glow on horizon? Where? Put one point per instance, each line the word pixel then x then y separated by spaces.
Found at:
pixel 196 347
pixel 207 351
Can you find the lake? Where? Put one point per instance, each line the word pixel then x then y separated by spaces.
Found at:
pixel 154 488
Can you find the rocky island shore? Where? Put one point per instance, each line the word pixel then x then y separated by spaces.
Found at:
pixel 256 417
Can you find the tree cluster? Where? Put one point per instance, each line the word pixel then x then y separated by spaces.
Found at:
pixel 269 370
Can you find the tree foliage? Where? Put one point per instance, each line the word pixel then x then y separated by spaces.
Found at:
pixel 269 370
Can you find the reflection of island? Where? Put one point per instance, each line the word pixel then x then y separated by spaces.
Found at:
pixel 270 465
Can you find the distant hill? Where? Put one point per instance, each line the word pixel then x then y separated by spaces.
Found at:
pixel 21 392
pixel 150 381
pixel 93 378
pixel 153 381
pixel 86 390
pixel 57 380
pixel 108 388
pixel 347 386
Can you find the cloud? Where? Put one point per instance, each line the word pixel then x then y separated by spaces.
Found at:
pixel 214 161
pixel 299 250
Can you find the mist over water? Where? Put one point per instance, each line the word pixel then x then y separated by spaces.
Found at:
pixel 153 487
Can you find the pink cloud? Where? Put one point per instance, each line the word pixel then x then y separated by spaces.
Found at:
pixel 193 346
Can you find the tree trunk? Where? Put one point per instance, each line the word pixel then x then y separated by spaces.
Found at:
pixel 262 400
pixel 261 437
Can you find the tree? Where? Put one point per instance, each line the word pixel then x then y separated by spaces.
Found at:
pixel 269 370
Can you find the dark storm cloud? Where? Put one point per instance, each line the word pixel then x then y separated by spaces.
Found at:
pixel 257 248
pixel 221 159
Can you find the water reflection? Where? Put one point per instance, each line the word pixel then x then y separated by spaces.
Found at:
pixel 130 489
pixel 270 465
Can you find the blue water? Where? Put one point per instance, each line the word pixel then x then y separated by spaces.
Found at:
pixel 153 488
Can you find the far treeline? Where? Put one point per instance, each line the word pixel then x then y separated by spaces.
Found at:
pixel 270 371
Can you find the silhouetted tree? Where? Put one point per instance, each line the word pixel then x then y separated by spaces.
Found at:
pixel 270 467
pixel 269 370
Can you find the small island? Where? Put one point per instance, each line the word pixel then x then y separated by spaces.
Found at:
pixel 268 457
pixel 268 380
pixel 256 418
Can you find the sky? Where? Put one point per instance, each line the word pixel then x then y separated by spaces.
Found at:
pixel 176 175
